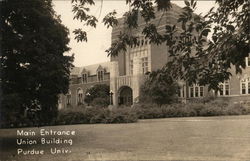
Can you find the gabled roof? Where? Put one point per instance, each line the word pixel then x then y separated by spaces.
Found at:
pixel 90 69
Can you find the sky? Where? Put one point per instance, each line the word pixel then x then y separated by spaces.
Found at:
pixel 99 38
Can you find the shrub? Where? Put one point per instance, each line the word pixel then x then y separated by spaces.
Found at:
pixel 98 95
pixel 214 108
pixel 212 111
pixel 96 115
pixel 100 102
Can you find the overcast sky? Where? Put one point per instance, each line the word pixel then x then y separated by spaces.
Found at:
pixel 99 38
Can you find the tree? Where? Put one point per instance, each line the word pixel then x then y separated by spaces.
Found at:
pixel 33 65
pixel 194 57
pixel 159 88
pixel 98 95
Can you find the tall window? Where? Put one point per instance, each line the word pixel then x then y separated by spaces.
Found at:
pixel 68 98
pixel 131 66
pixel 100 75
pixel 224 89
pixel 248 87
pixel 79 96
pixel 144 65
pixel 179 91
pixel 191 89
pixel 201 91
pixel 196 91
pixel 245 86
pixel 84 78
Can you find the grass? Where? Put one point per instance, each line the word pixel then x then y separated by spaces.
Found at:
pixel 193 138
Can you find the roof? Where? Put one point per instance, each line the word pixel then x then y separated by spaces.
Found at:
pixel 91 69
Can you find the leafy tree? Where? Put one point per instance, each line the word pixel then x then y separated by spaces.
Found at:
pixel 194 56
pixel 159 88
pixel 33 65
pixel 98 95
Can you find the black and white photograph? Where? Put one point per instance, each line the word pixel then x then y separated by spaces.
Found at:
pixel 124 80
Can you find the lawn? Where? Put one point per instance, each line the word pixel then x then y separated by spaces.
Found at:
pixel 193 138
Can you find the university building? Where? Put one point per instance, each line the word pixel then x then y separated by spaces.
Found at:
pixel 125 73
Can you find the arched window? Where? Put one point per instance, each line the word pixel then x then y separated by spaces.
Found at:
pixel 100 73
pixel 79 96
pixel 68 98
pixel 84 78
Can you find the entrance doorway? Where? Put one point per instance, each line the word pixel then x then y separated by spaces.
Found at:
pixel 125 96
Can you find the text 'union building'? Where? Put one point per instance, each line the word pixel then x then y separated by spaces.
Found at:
pixel 125 73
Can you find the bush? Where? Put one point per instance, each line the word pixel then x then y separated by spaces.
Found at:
pixel 125 114
pixel 96 115
pixel 212 111
pixel 214 108
pixel 100 102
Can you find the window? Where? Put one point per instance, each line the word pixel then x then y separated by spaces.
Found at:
pixel 84 78
pixel 191 92
pixel 79 96
pixel 100 75
pixel 245 86
pixel 196 91
pixel 224 89
pixel 201 91
pixel 131 66
pixel 227 89
pixel 144 65
pixel 68 98
pixel 248 87
pixel 221 89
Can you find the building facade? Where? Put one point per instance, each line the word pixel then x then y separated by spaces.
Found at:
pixel 125 73
pixel 81 79
pixel 128 68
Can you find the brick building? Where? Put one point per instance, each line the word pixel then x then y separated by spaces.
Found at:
pixel 126 72
pixel 82 78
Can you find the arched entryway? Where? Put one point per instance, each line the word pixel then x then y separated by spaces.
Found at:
pixel 125 96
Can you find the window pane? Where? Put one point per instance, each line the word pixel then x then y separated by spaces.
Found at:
pixel 227 89
pixel 221 89
pixel 243 88
pixel 196 92
pixel 248 87
pixel 191 92
pixel 201 91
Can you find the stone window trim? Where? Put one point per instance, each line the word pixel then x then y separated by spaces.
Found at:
pixel 224 89
pixel 144 62
pixel 196 91
pixel 245 86
pixel 100 75
pixel 84 77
